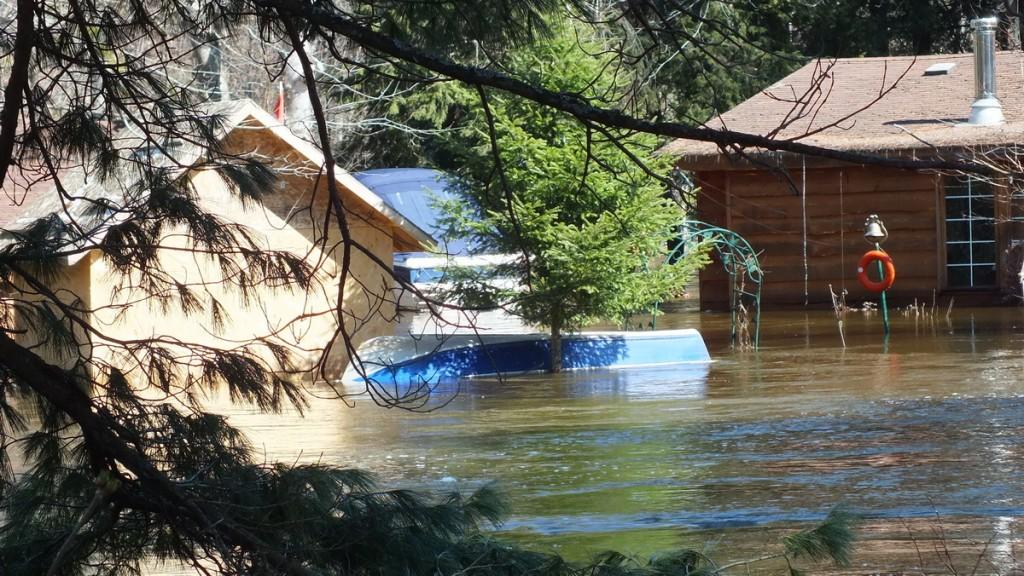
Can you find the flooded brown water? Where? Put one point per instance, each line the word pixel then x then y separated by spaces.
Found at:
pixel 922 434
pixel 919 434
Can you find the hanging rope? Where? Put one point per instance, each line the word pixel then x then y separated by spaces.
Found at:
pixel 842 235
pixel 803 208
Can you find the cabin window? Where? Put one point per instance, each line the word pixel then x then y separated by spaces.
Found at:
pixel 970 233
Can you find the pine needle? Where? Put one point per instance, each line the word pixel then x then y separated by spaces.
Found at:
pixel 831 540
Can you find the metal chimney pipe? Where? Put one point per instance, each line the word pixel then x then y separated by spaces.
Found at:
pixel 986 110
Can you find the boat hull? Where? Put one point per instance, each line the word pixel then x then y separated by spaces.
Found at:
pixel 406 360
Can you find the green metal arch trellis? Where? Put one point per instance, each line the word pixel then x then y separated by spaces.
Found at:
pixel 740 263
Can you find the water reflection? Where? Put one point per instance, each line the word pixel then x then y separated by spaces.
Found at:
pixel 679 381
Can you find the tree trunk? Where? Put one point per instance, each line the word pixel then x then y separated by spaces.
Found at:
pixel 17 81
pixel 878 13
pixel 556 346
pixel 1011 17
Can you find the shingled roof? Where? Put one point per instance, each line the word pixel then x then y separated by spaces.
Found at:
pixel 28 196
pixel 896 107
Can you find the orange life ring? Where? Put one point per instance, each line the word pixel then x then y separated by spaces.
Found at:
pixel 889 276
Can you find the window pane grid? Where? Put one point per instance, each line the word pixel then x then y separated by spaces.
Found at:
pixel 970 231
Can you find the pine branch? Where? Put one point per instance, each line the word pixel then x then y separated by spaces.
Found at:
pixel 102 435
pixel 17 80
pixel 831 540
pixel 107 484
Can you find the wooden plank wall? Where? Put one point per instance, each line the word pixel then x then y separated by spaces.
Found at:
pixel 766 209
pixel 711 208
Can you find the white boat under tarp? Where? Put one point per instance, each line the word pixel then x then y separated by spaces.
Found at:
pixel 429 359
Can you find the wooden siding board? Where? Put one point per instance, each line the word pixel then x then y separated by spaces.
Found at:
pixel 712 208
pixel 858 181
pixel 922 220
pixel 819 204
pixel 915 264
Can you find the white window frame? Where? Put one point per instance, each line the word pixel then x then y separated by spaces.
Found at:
pixel 966 184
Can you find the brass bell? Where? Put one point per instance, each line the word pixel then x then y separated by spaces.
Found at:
pixel 874 230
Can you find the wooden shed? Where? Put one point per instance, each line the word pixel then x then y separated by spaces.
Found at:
pixel 275 314
pixel 949 234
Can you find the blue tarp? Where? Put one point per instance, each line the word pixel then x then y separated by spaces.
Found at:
pixel 410 191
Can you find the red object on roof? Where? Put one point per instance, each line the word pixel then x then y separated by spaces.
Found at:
pixel 279 107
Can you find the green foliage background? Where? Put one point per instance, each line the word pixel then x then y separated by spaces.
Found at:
pixel 729 51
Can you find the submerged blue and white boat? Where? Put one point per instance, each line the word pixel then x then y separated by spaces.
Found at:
pixel 410 360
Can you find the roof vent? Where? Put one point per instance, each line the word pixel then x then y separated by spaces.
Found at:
pixel 939 69
pixel 986 110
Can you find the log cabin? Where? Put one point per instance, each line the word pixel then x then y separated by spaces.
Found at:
pixel 950 234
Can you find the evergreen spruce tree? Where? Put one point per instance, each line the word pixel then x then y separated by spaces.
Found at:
pixel 590 226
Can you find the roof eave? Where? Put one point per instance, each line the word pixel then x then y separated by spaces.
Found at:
pixel 761 159
pixel 407 236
